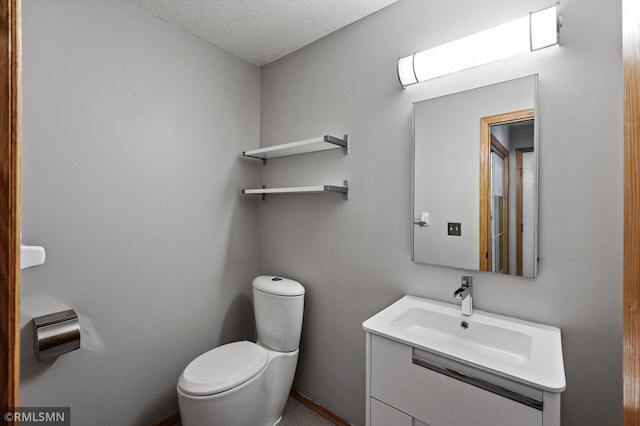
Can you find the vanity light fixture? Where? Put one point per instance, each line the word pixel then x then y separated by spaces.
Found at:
pixel 535 31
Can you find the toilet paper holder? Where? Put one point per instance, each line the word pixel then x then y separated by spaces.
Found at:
pixel 56 334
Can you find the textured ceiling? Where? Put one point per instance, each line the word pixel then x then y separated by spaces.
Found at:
pixel 260 31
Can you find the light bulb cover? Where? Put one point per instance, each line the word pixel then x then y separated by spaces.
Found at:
pixel 535 31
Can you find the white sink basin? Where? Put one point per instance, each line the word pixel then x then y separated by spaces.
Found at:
pixel 527 352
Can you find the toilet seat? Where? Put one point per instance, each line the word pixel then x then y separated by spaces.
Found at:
pixel 223 368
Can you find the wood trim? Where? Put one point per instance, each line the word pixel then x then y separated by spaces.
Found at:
pixel 170 420
pixel 519 223
pixel 519 212
pixel 324 412
pixel 485 188
pixel 485 177
pixel 495 143
pixel 510 117
pixel 9 203
pixel 631 263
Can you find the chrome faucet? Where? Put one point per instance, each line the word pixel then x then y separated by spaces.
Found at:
pixel 465 293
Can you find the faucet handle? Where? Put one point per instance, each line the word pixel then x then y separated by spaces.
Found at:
pixel 466 281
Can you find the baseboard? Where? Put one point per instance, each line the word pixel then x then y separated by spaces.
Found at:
pixel 296 394
pixel 169 420
pixel 324 412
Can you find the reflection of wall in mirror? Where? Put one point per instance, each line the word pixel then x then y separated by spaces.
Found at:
pixel 446 175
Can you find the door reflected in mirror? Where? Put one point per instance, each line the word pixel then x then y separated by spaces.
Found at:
pixel 506 235
pixel 475 173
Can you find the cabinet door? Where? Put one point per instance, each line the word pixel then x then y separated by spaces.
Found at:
pixel 436 399
pixel 383 415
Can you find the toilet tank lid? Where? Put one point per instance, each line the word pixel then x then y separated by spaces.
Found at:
pixel 278 285
pixel 223 368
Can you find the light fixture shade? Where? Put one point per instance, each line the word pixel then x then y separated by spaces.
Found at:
pixel 406 74
pixel 534 31
pixel 545 27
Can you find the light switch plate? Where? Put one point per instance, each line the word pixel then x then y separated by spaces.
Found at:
pixel 454 228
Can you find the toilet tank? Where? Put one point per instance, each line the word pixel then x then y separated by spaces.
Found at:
pixel 278 304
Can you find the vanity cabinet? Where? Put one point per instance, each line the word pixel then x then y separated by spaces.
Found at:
pixel 382 414
pixel 409 386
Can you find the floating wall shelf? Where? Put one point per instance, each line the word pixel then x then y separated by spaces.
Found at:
pixel 319 189
pixel 322 143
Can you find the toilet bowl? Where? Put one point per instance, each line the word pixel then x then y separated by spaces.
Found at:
pixel 245 383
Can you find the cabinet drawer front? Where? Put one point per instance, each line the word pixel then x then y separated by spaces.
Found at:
pixel 383 415
pixel 435 398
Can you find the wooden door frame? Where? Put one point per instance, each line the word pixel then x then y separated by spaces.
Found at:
pixel 9 203
pixel 519 208
pixel 631 263
pixel 485 176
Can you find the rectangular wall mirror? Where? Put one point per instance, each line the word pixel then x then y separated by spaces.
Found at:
pixel 475 202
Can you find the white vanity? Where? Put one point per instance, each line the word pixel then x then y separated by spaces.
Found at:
pixel 427 364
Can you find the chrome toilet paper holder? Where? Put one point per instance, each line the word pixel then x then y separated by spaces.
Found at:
pixel 56 334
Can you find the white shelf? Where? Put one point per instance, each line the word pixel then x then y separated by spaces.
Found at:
pixel 322 143
pixel 319 189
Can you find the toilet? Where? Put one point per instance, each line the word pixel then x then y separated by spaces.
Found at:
pixel 245 383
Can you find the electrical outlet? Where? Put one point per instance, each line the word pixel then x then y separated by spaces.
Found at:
pixel 454 228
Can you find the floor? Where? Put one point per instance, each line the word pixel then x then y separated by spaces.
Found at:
pixel 297 414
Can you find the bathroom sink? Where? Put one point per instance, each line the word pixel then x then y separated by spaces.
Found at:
pixel 481 338
pixel 523 351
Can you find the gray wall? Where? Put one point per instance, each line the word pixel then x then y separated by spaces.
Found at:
pixel 354 256
pixel 131 181
pixel 131 131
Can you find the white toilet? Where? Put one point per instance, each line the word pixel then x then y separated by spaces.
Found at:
pixel 245 383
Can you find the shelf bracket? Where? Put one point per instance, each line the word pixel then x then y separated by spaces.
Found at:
pixel 344 143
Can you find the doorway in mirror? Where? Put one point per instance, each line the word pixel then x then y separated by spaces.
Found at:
pixel 506 225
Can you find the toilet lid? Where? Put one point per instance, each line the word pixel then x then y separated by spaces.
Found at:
pixel 223 368
pixel 278 286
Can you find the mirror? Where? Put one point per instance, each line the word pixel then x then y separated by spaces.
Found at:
pixel 475 179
